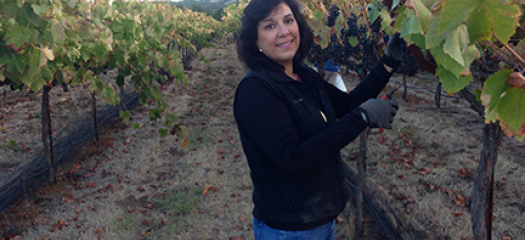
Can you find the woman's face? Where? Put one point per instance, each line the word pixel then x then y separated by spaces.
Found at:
pixel 278 35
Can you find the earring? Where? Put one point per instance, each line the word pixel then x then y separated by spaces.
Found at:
pixel 260 50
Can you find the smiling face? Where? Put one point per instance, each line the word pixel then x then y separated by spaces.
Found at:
pixel 278 35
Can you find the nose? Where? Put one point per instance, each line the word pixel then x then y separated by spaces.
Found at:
pixel 283 30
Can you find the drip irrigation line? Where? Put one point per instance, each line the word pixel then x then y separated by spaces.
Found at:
pixel 65 151
pixel 422 88
pixel 383 228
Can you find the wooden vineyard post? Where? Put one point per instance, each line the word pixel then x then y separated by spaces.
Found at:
pixel 482 197
pixel 47 132
pixel 361 169
pixel 405 87
pixel 121 89
pixel 94 117
pixel 438 95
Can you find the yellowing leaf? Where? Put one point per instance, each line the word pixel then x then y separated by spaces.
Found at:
pixel 454 13
pixel 48 53
pixel 423 14
pixel 185 143
pixel 489 16
pixel 456 43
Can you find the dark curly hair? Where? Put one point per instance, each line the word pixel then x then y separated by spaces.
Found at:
pixel 256 11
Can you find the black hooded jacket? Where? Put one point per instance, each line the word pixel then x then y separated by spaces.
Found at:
pixel 292 133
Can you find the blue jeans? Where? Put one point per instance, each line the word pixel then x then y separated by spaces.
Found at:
pixel 262 231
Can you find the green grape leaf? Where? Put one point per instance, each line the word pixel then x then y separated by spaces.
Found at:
pixel 446 61
pixel 318 15
pixel 471 53
pixel 417 39
pixel 452 83
pixel 136 126
pixel 37 83
pixel 432 38
pixel 424 15
pixel 488 16
pixel 57 32
pixel 395 3
pixel 386 20
pixel 373 12
pixel 452 45
pixel 353 41
pixel 494 87
pixel 47 74
pixel 163 132
pixel 454 13
pixel 510 111
pixel 72 3
pixel 16 37
pixel 410 25
pixel 400 17
pixel 505 21
pixel 39 9
pixel 34 63
pixel 125 115
pixel 477 92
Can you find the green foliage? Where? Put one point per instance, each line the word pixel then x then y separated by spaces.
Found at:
pixel 12 144
pixel 178 202
pixel 454 32
pixel 71 41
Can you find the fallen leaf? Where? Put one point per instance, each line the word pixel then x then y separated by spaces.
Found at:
pixel 381 139
pixel 206 189
pixel 457 214
pixel 241 218
pixel 463 173
pixel 383 165
pixel 97 231
pixel 516 79
pixel 424 171
pixel 78 165
pixel 89 175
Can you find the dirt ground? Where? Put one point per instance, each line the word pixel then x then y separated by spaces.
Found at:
pixel 140 186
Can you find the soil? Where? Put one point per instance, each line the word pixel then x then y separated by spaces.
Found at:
pixel 138 185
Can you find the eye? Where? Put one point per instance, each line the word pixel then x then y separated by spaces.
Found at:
pixel 290 20
pixel 269 26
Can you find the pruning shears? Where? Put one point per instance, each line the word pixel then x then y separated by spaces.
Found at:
pixel 389 95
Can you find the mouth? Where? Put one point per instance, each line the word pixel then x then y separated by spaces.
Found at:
pixel 286 44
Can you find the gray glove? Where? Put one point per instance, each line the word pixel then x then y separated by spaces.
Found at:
pixel 393 48
pixel 379 113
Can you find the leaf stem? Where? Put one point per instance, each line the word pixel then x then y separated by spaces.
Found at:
pixel 516 55
pixel 503 56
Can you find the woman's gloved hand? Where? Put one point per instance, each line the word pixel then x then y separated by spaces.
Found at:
pixel 393 52
pixel 379 113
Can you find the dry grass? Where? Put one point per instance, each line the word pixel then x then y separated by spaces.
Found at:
pixel 146 187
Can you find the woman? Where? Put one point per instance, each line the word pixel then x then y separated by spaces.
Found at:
pixel 293 124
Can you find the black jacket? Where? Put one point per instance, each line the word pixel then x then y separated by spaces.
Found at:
pixel 292 152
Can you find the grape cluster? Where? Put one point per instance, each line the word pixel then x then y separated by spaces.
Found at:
pixel 376 26
pixel 410 65
pixel 332 16
pixel 369 52
pixel 362 56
